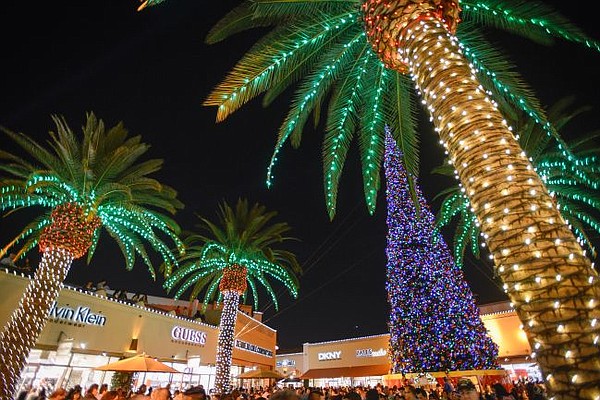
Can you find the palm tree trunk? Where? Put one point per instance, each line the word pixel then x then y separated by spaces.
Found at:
pixel 546 274
pixel 28 320
pixel 231 301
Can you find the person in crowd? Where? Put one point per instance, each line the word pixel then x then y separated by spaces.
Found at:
pixel 162 393
pixel 466 389
pixel 58 394
pixel 103 389
pixel 9 261
pixel 102 289
pixel 23 393
pixel 120 295
pixel 448 386
pixel 285 395
pixel 315 395
pixel 33 394
pixel 142 300
pixel 111 395
pixel 140 394
pixel 410 392
pixel 92 392
pixel 74 393
pixel 335 394
pixel 351 395
pixel 372 394
pixel 501 392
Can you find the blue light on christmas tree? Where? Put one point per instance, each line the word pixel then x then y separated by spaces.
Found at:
pixel 434 322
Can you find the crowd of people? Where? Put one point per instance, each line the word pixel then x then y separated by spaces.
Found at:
pixel 464 389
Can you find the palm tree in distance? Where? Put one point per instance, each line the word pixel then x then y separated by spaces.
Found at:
pixel 80 184
pixel 363 58
pixel 572 181
pixel 237 252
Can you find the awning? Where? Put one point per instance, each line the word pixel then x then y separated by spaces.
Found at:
pixel 365 370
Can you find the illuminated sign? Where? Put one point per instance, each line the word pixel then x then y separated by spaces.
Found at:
pixel 79 315
pixel 253 348
pixel 188 335
pixel 371 353
pixel 330 355
pixel 286 363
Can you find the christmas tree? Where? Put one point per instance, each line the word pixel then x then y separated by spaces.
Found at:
pixel 434 322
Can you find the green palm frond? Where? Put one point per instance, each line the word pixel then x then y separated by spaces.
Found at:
pixel 371 143
pixel 310 94
pixel 342 124
pixel 237 20
pixel 100 171
pixel 311 58
pixel 463 235
pixel 531 19
pixel 266 62
pixel 243 235
pixel 400 111
pixel 305 8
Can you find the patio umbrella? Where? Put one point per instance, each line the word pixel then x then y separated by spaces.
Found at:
pixel 139 363
pixel 260 373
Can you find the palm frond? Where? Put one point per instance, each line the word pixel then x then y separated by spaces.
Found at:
pixel 401 118
pixel 531 19
pixel 371 134
pixel 310 93
pixel 294 9
pixel 341 125
pixel 264 63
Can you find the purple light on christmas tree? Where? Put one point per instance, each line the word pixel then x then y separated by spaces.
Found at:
pixel 434 322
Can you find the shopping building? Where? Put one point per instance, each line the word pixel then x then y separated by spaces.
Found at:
pixel 365 361
pixel 86 330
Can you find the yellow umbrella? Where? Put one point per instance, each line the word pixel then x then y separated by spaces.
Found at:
pixel 139 363
pixel 260 373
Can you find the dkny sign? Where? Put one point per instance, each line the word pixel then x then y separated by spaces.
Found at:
pixel 330 355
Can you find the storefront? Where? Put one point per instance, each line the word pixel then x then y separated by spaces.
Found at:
pixel 85 331
pixel 350 362
pixel 364 361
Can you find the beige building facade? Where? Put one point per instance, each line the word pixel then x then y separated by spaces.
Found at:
pixel 85 331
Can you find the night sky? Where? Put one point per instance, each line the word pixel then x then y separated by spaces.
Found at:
pixel 152 71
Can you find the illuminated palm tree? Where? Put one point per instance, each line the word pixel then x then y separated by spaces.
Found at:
pixel 238 252
pixel 572 181
pixel 79 185
pixel 363 58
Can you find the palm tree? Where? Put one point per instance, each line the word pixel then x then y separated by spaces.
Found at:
pixel 238 251
pixel 572 181
pixel 80 184
pixel 363 58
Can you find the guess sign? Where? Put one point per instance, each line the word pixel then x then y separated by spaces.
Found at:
pixel 188 335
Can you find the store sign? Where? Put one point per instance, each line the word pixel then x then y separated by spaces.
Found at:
pixel 370 353
pixel 253 348
pixel 79 315
pixel 188 335
pixel 330 355
pixel 286 363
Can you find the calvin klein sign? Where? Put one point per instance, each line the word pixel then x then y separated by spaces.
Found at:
pixel 78 315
